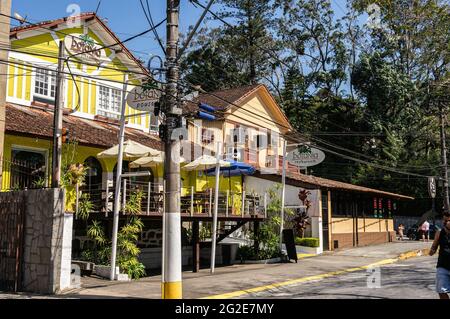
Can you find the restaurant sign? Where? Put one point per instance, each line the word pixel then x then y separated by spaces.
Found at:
pixel 143 99
pixel 305 156
pixel 84 47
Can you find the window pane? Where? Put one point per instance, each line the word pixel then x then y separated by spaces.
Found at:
pixel 52 84
pixel 153 123
pixel 116 100
pixel 41 82
pixel 109 102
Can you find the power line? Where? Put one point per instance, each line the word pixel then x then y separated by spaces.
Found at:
pixel 151 23
pixel 300 138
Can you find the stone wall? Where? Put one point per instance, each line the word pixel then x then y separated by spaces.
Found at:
pixel 45 237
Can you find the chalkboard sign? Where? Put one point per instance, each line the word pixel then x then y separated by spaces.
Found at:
pixel 288 238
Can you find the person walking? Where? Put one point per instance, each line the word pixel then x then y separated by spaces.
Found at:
pixel 400 229
pixel 442 241
pixel 425 230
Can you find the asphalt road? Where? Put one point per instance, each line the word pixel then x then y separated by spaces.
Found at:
pixel 410 279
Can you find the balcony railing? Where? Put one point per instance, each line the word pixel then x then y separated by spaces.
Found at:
pixel 193 204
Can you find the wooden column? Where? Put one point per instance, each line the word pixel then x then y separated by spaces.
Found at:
pixel 195 246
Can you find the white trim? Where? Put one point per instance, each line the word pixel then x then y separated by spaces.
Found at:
pixel 55 37
pixel 24 81
pixel 16 67
pixel 135 126
pixel 84 115
pixel 89 96
pixel 25 57
pixel 15 100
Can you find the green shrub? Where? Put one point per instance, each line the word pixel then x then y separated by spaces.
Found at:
pixel 307 242
pixel 245 253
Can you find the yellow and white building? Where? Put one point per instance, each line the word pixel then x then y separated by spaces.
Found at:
pixel 250 126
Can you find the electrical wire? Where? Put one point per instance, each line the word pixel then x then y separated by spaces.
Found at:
pixel 152 24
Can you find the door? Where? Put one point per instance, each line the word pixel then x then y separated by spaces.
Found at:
pixel 12 214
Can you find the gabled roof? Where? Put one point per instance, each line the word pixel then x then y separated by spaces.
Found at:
pixel 225 100
pixel 38 122
pixel 86 17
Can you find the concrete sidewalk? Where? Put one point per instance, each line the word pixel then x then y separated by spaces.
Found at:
pixel 243 277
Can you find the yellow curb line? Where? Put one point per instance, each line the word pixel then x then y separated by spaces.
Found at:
pixel 315 277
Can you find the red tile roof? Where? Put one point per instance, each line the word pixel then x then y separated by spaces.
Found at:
pixel 224 100
pixel 38 122
pixel 309 181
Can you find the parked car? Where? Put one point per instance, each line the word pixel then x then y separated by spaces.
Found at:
pixel 413 233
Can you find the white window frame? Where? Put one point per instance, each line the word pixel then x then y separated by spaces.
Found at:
pixel 99 109
pixel 153 128
pixel 50 74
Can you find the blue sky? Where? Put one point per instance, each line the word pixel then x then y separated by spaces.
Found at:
pixel 125 17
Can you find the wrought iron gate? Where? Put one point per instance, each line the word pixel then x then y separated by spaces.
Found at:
pixel 12 216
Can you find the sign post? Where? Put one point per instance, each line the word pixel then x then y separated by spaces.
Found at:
pixel 302 156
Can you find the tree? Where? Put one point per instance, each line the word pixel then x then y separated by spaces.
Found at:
pixel 230 55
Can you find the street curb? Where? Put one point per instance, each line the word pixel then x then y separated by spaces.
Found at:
pixel 401 257
pixel 414 253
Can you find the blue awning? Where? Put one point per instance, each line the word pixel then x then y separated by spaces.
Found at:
pixel 235 169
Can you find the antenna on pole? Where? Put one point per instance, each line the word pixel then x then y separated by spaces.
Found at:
pixel 98 6
pixel 21 19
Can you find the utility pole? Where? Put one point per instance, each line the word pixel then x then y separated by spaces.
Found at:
pixel 58 120
pixel 444 159
pixel 171 283
pixel 5 8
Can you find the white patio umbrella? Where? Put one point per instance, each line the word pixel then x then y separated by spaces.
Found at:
pixel 131 149
pixel 204 163
pixel 150 161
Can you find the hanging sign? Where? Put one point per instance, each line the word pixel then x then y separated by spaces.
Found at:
pixel 432 187
pixel 305 156
pixel 143 99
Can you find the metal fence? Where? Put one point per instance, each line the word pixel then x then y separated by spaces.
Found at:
pixel 192 203
pixel 23 175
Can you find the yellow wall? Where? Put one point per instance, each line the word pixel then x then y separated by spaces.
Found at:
pixel 368 225
pixel 78 153
pixel 21 72
pixel 341 225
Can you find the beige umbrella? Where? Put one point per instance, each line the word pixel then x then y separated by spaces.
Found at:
pixel 150 161
pixel 131 149
pixel 204 163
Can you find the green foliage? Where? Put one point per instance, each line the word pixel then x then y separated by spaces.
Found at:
pixel 133 205
pixel 85 207
pixel 127 250
pixel 245 253
pixel 372 93
pixel 41 182
pixel 307 242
